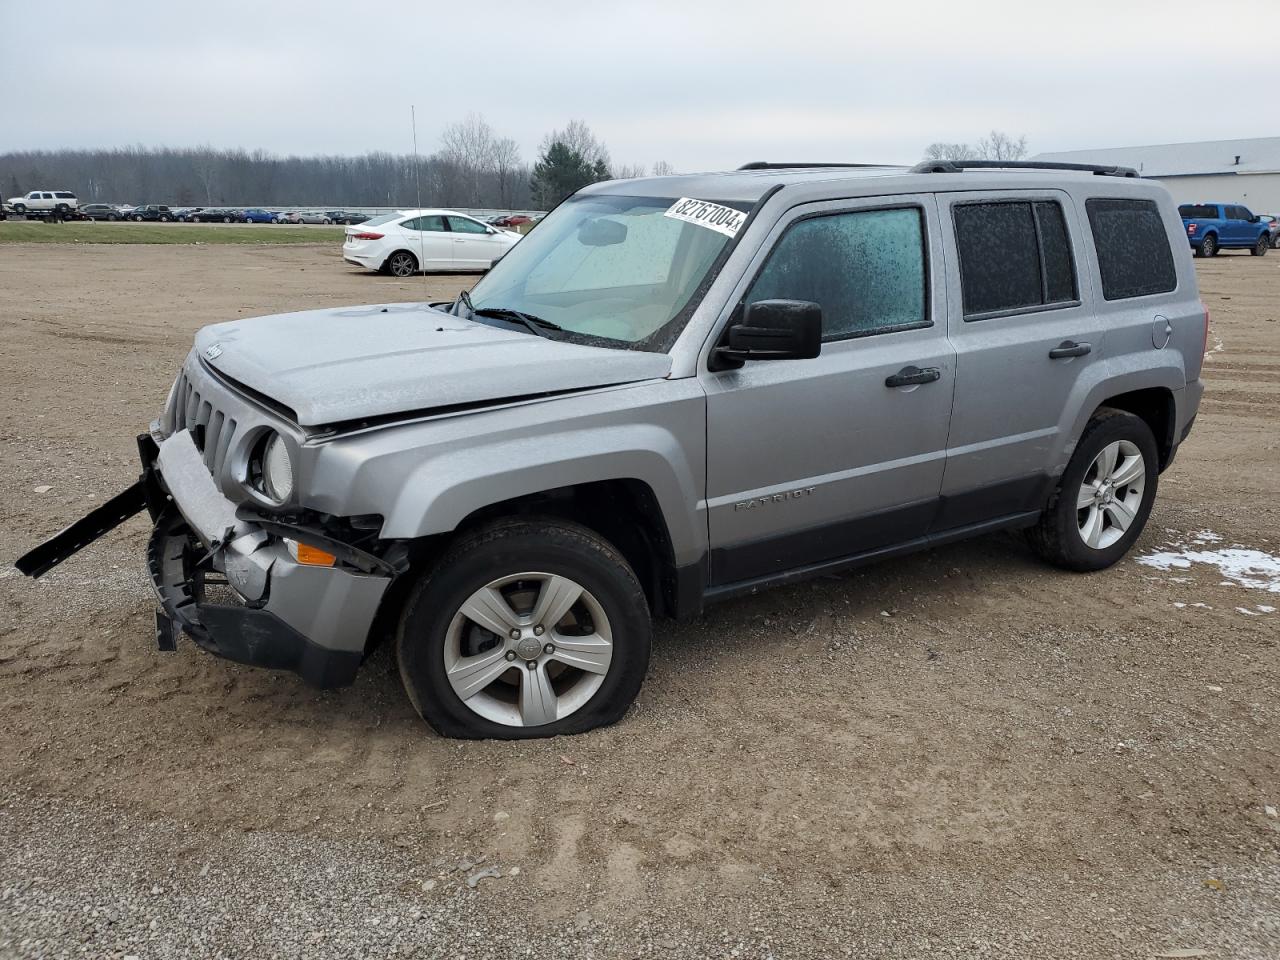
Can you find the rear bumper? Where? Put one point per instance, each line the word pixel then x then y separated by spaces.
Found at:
pixel 274 612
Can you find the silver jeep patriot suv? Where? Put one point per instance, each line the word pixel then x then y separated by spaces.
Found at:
pixel 672 391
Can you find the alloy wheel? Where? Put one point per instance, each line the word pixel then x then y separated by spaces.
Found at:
pixel 528 649
pixel 1111 494
pixel 402 265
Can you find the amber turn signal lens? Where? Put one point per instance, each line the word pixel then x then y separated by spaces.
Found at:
pixel 313 556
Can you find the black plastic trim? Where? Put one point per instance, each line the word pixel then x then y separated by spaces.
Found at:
pixel 727 591
pixel 774 556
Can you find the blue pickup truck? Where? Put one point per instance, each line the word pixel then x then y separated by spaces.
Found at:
pixel 1223 226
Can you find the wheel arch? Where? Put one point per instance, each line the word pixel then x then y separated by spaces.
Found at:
pixel 1156 407
pixel 387 259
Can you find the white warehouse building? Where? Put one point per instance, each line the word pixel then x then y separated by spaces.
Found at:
pixel 1212 171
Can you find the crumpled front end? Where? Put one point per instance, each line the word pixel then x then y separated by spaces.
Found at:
pixel 283 590
pixel 241 592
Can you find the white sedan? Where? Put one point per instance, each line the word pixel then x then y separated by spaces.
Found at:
pixel 433 241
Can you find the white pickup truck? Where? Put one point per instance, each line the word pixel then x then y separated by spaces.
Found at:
pixel 43 203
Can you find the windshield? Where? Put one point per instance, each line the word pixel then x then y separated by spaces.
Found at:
pixel 619 269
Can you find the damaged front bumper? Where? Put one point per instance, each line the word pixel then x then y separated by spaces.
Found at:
pixel 230 582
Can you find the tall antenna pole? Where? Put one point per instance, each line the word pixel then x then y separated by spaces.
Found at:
pixel 417 179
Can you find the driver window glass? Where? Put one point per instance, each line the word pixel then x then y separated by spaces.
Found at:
pixel 866 270
pixel 462 225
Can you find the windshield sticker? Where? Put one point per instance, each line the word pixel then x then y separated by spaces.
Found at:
pixel 713 216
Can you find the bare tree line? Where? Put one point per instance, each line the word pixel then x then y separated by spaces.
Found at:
pixel 473 167
pixel 994 146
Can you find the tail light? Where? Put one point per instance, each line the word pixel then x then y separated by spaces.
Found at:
pixel 1204 349
pixel 1191 228
pixel 367 235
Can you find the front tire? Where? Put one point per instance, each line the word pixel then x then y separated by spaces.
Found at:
pixel 1104 497
pixel 19 208
pixel 1260 248
pixel 138 219
pixel 525 629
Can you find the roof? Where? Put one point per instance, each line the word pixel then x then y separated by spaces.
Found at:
pixel 1256 155
pixel 741 185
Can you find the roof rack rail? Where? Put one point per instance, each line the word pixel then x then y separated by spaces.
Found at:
pixel 955 166
pixel 766 165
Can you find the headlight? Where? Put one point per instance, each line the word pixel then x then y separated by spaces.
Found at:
pixel 271 469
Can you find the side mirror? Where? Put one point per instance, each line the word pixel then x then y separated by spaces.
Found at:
pixel 773 330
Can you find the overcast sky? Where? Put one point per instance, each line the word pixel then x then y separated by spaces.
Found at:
pixel 703 85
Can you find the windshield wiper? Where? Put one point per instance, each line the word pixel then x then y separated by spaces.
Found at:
pixel 535 324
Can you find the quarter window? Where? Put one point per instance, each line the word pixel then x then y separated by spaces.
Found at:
pixel 1134 259
pixel 1014 255
pixel 866 269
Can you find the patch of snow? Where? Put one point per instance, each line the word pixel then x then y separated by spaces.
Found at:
pixel 1247 612
pixel 1263 608
pixel 1239 566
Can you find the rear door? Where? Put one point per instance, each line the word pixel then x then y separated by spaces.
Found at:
pixel 1024 338
pixel 430 241
pixel 474 247
pixel 810 461
pixel 1237 229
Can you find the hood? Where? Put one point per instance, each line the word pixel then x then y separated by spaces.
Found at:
pixel 353 363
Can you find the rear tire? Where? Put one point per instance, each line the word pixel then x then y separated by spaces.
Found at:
pixel 602 622
pixel 1093 501
pixel 402 264
pixel 1260 248
pixel 1208 247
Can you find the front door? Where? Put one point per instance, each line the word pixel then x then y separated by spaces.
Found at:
pixel 474 247
pixel 811 461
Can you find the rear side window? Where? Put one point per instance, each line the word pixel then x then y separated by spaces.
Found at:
pixel 65 196
pixel 1134 258
pixel 866 269
pixel 1197 211
pixel 1014 255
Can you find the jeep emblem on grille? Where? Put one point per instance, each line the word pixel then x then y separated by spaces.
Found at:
pixel 213 352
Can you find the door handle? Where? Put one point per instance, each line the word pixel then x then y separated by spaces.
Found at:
pixel 910 376
pixel 1069 348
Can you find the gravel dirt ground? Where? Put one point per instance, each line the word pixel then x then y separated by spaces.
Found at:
pixel 960 753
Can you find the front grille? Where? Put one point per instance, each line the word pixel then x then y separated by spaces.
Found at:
pixel 190 410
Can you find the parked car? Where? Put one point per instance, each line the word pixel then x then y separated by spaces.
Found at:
pixel 100 211
pixel 653 403
pixel 308 216
pixel 1273 225
pixel 45 202
pixel 433 241
pixel 512 220
pixel 152 212
pixel 217 215
pixel 185 214
pixel 1212 227
pixel 347 217
pixel 258 215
